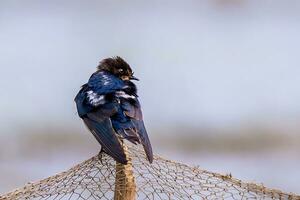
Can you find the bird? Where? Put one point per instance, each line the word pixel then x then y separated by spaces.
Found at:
pixel 109 107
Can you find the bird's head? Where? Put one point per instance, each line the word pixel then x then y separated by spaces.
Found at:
pixel 118 67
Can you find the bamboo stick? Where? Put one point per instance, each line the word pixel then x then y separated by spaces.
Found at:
pixel 125 188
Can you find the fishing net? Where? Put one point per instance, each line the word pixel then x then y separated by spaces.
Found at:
pixel 100 178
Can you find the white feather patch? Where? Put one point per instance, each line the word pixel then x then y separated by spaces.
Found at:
pixel 105 78
pixel 124 95
pixel 106 82
pixel 95 99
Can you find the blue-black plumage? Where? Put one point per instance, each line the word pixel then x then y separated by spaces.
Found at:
pixel 108 104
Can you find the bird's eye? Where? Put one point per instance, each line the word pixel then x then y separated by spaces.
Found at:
pixel 120 70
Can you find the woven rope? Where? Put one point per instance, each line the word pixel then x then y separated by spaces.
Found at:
pixel 163 179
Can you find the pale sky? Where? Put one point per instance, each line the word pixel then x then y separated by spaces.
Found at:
pixel 200 62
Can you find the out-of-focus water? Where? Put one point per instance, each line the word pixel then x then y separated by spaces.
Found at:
pixel 278 171
pixel 273 170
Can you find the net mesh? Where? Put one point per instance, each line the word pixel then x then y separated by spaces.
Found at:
pixel 95 178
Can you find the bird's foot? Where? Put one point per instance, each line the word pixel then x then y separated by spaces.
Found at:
pixel 100 155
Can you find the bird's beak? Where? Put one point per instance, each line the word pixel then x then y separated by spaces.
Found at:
pixel 134 78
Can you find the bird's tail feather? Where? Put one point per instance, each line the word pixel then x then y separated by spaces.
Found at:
pixel 111 144
pixel 139 124
pixel 130 135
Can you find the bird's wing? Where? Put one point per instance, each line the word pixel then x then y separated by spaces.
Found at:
pixel 133 111
pixel 99 123
pixel 92 94
pixel 103 82
pixel 81 101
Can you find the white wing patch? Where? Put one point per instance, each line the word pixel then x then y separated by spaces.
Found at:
pixel 95 99
pixel 106 82
pixel 105 78
pixel 124 95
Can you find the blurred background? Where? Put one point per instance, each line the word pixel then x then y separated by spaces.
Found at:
pixel 219 83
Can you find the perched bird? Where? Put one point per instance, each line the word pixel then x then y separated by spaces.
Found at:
pixel 108 104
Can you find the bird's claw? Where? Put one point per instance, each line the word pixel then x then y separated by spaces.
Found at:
pixel 100 155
